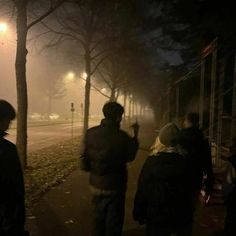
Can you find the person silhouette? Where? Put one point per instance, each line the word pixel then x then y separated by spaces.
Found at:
pixel 106 150
pixel 12 207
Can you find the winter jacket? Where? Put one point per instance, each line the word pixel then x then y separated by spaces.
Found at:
pixel 199 153
pixel 105 152
pixel 12 209
pixel 164 195
pixel 230 198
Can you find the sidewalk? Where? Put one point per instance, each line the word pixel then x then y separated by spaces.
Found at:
pixel 66 211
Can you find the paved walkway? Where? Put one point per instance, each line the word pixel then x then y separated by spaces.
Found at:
pixel 66 211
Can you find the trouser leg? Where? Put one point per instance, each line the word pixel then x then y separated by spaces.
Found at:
pixel 153 230
pixel 184 231
pixel 230 219
pixel 115 215
pixel 99 216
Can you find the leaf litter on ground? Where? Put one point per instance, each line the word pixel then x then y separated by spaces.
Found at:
pixel 48 167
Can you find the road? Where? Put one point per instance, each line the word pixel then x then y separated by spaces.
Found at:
pixel 40 136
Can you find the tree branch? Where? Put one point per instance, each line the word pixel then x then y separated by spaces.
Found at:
pixel 98 64
pixel 98 90
pixel 64 34
pixel 104 79
pixel 51 9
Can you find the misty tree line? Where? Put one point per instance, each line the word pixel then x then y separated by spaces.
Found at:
pixel 121 42
pixel 105 31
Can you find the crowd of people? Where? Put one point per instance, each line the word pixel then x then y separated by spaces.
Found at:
pixel 175 173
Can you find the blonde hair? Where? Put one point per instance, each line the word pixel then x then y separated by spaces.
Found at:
pixel 160 147
pixel 157 147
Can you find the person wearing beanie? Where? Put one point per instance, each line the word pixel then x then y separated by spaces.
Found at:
pixel 198 151
pixel 106 151
pixel 163 201
pixel 12 207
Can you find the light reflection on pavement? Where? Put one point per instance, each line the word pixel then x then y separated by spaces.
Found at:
pixel 47 135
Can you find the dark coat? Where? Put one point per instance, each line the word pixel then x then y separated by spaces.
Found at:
pixel 12 209
pixel 199 153
pixel 106 151
pixel 164 196
pixel 230 201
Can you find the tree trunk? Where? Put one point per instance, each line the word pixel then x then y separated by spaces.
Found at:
pixel 129 114
pixel 87 90
pixel 20 66
pixel 117 95
pixel 125 105
pixel 233 121
pixel 113 94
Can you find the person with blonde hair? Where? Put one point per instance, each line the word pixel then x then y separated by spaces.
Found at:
pixel 163 200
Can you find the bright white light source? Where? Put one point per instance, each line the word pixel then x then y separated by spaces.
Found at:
pixel 84 75
pixel 3 27
pixel 71 75
pixel 103 90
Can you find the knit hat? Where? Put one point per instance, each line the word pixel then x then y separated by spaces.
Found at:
pixel 168 135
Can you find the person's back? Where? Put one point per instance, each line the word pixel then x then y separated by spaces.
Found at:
pixel 198 151
pixel 164 200
pixel 12 209
pixel 106 150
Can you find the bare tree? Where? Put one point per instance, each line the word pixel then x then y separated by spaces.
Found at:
pixel 84 23
pixel 23 27
pixel 112 74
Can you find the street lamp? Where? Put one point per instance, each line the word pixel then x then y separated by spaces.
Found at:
pixel 3 27
pixel 84 75
pixel 69 77
pixel 103 90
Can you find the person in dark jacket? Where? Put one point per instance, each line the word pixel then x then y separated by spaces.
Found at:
pixel 12 208
pixel 163 200
pixel 198 151
pixel 106 150
pixel 230 196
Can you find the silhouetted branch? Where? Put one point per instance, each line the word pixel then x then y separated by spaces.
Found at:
pixel 51 9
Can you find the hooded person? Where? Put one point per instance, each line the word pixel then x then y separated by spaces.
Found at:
pixel 12 207
pixel 163 199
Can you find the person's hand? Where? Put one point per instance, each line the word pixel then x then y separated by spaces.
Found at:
pixel 204 198
pixel 135 128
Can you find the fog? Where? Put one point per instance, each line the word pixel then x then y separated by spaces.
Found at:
pixel 44 69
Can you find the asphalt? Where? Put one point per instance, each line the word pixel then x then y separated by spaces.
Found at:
pixel 66 210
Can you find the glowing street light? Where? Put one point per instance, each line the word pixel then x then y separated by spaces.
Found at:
pixel 103 90
pixel 84 75
pixel 70 77
pixel 3 27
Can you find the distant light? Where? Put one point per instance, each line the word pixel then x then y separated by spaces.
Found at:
pixel 3 27
pixel 71 75
pixel 84 75
pixel 103 90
